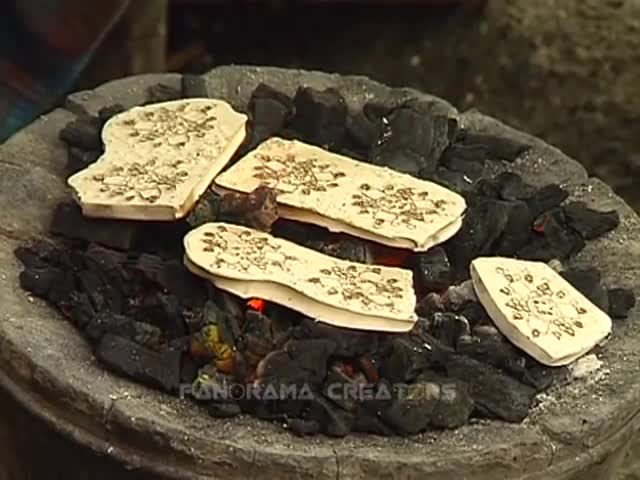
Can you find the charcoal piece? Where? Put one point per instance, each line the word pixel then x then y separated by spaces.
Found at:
pixel 588 281
pixel 320 117
pixel 412 410
pixel 362 131
pixel 517 229
pixel 476 236
pixel 348 343
pixel 207 209
pixel 470 168
pixel 456 181
pixel 495 394
pixel 432 270
pixel 269 110
pixel 257 209
pixel 223 409
pixel 351 249
pixel 82 311
pixel 301 427
pixel 189 368
pixel 123 356
pixel 368 422
pixel 409 357
pixel 107 113
pixel 375 112
pixel 465 154
pixel 110 264
pixel 367 365
pixel 39 281
pixel 103 296
pixel 621 301
pixel 513 187
pixel 39 254
pixel 542 377
pixel 104 323
pixel 162 93
pixel 69 222
pixel 454 406
pixel 474 312
pixel 172 277
pixel 333 421
pixel 148 336
pixel 552 239
pixel 546 198
pixel 83 133
pixel 412 139
pixel 589 223
pixel 499 148
pixel 448 328
pixel 79 159
pixel 342 389
pixel 165 312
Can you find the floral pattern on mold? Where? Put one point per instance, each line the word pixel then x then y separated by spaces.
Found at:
pixel 251 253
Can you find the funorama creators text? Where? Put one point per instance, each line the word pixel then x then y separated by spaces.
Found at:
pixel 335 391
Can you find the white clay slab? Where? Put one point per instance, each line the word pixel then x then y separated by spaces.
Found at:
pixel 538 310
pixel 159 159
pixel 249 263
pixel 346 195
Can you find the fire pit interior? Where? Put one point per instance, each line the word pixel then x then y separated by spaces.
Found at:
pixel 127 286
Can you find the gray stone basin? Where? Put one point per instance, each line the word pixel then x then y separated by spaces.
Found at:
pixel 578 431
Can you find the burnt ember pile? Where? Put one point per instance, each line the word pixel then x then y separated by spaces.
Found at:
pixel 124 285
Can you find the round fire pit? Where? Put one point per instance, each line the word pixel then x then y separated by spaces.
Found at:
pixel 580 430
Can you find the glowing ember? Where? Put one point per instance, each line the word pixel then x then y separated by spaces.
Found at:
pixel 257 304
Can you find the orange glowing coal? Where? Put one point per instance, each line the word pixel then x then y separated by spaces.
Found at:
pixel 390 257
pixel 257 304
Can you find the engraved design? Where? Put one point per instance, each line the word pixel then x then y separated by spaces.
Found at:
pixel 253 253
pixel 173 127
pixel 289 174
pixel 146 181
pixel 534 302
pixel 395 205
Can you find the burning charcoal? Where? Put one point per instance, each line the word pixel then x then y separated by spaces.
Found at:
pixel 320 116
pixel 589 283
pixel 348 249
pixel 432 269
pixel 494 393
pixel 257 209
pixel 162 93
pixel 79 159
pixel 621 301
pixel 69 222
pixel 412 139
pixel 206 210
pixel 589 223
pixel 408 358
pixel 341 386
pixel 333 421
pixel 448 328
pixel 367 365
pixel 456 181
pixel 270 110
pixel 123 356
pixel 552 239
pixel 107 113
pixel 411 412
pixel 546 198
pixel 499 148
pixel 83 133
pixel 301 427
pixel 208 345
pixel 223 409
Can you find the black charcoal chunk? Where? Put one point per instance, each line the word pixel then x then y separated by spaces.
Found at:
pixel 454 406
pixel 69 222
pixel 552 239
pixel 83 133
pixel 432 270
pixel 408 358
pixel 513 187
pixel 162 93
pixel 40 281
pixel 223 409
pixel 588 282
pixel 589 223
pixel 497 147
pixel 320 117
pixel 413 408
pixel 123 356
pixel 107 113
pixel 546 198
pixel 495 394
pixel 80 159
pixel 621 301
pixel 456 181
pixel 333 421
pixel 302 427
